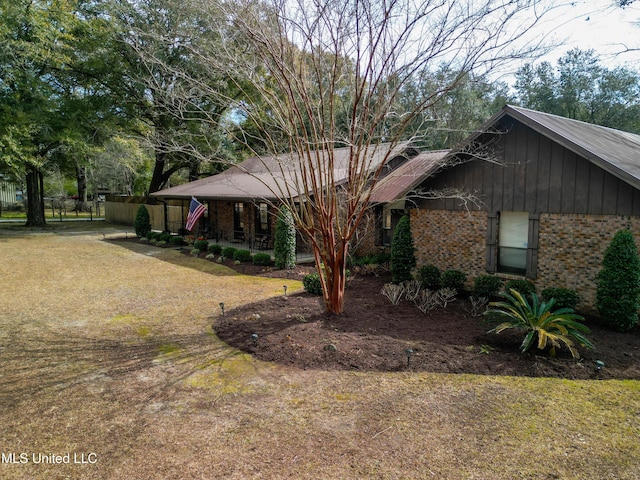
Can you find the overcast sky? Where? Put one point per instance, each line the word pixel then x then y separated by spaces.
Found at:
pixel 599 25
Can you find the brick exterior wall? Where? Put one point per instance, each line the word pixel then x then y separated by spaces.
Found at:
pixel 570 247
pixel 450 240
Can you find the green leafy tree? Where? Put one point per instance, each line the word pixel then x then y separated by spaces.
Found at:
pixel 161 80
pixel 618 290
pixel 403 258
pixel 579 87
pixel 284 243
pixel 54 111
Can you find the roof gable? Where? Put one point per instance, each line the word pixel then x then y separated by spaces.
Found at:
pixel 614 151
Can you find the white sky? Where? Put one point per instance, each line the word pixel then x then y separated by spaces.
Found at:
pixel 598 25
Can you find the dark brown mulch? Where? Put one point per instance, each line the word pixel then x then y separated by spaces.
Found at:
pixel 372 334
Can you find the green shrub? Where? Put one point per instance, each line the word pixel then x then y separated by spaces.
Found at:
pixel 215 249
pixel 262 259
pixel 487 286
pixel 201 245
pixel 525 287
pixel 429 277
pixel 152 235
pixel 403 258
pixel 542 325
pixel 242 256
pixel 176 241
pixel 284 242
pixel 227 252
pixel 453 279
pixel 311 283
pixel 164 237
pixel 142 223
pixel 564 297
pixel 381 258
pixel 618 283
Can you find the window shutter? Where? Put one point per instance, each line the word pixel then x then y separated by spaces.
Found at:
pixel 492 242
pixel 532 245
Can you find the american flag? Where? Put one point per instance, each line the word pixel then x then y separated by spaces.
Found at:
pixel 196 209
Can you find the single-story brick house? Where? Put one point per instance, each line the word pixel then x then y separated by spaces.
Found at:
pixel 242 201
pixel 550 200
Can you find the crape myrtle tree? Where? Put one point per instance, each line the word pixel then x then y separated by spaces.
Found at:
pixel 322 74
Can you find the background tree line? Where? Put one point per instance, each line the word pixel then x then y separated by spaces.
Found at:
pixel 115 94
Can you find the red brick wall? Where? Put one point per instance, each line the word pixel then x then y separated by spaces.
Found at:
pixel 450 240
pixel 570 247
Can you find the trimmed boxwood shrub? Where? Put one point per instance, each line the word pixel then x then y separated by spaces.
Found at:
pixel 262 259
pixel 176 241
pixel 227 252
pixel 242 256
pixel 403 258
pixel 453 279
pixel 215 248
pixel 142 223
pixel 153 235
pixel 164 237
pixel 311 283
pixel 564 297
pixel 618 287
pixel 429 277
pixel 525 287
pixel 201 245
pixel 487 286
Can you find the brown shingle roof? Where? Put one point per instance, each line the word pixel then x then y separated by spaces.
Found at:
pixel 266 177
pixel 405 178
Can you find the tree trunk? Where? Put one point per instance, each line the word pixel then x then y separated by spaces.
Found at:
pixel 81 179
pixel 35 198
pixel 157 179
pixel 336 278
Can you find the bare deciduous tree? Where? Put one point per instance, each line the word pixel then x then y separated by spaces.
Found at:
pixel 322 74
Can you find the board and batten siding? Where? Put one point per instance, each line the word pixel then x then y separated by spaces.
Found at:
pixel 534 174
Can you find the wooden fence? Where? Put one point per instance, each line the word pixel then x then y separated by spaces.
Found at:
pixel 123 210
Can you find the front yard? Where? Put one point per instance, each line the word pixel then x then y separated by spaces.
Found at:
pixel 110 370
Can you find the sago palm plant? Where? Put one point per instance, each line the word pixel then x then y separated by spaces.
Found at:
pixel 554 328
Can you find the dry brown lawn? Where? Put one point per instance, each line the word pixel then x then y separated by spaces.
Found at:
pixel 108 358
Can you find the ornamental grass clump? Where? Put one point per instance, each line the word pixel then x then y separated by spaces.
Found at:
pixel 542 326
pixel 393 292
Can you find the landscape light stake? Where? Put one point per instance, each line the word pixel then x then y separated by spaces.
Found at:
pixel 285 291
pixel 599 365
pixel 409 353
pixel 222 307
pixel 254 339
